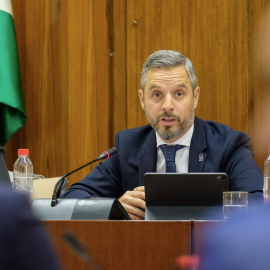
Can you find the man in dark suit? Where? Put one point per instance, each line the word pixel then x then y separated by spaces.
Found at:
pixel 4 176
pixel 169 95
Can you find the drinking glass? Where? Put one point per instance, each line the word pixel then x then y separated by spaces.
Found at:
pixel 234 202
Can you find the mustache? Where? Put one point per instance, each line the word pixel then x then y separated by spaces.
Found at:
pixel 167 114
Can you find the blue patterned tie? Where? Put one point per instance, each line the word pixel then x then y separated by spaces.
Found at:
pixel 169 152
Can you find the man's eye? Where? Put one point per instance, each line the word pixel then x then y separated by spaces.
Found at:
pixel 179 94
pixel 157 95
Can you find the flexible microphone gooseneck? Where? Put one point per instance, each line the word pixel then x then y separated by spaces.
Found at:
pixel 104 155
pixel 76 246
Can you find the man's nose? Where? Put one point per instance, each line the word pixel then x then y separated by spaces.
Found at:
pixel 168 103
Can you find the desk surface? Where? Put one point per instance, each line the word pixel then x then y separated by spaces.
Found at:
pixel 124 244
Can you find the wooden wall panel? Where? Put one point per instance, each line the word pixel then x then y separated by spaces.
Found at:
pixel 118 67
pixel 213 34
pixel 81 63
pixel 258 103
pixel 65 66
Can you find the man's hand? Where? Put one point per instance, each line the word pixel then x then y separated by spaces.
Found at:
pixel 132 201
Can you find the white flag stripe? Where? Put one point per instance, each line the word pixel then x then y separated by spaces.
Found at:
pixel 6 6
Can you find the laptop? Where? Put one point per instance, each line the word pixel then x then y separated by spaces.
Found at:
pixel 176 196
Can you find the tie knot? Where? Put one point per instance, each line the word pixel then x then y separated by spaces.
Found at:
pixel 169 151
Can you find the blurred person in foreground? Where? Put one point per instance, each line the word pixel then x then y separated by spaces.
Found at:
pixel 244 241
pixel 169 95
pixel 24 242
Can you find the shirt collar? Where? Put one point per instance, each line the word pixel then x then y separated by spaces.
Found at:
pixel 184 140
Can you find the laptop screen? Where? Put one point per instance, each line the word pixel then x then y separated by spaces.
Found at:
pixel 174 196
pixel 191 189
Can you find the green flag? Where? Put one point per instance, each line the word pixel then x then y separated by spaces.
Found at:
pixel 12 111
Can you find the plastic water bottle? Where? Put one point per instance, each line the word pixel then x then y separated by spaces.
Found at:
pixel 23 174
pixel 266 173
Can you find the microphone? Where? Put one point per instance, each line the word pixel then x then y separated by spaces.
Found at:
pixel 74 243
pixel 105 155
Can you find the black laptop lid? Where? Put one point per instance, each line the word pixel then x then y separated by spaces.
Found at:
pixel 191 189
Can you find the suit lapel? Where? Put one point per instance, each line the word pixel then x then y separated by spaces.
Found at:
pixel 197 156
pixel 148 158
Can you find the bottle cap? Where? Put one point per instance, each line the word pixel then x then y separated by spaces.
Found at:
pixel 23 152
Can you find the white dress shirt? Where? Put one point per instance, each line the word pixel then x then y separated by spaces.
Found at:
pixel 182 155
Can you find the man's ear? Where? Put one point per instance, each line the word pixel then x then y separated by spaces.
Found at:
pixel 196 95
pixel 140 94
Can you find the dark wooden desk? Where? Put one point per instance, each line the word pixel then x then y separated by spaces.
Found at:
pixel 198 233
pixel 124 244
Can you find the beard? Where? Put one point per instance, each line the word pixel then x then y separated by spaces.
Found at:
pixel 168 133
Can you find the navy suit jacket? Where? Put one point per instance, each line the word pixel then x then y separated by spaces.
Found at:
pixel 24 243
pixel 223 150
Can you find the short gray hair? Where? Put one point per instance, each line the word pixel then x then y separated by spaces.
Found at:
pixel 167 59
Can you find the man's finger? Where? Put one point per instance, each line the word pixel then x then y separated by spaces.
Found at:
pixel 140 188
pixel 133 203
pixel 134 194
pixel 134 217
pixel 134 211
pixel 138 194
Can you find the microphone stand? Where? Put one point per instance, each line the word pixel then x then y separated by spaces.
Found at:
pixel 74 243
pixel 104 155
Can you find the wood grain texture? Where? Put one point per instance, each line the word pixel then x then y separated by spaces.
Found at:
pixel 65 68
pixel 213 34
pixel 124 244
pixel 118 67
pixel 81 64
pixel 257 98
